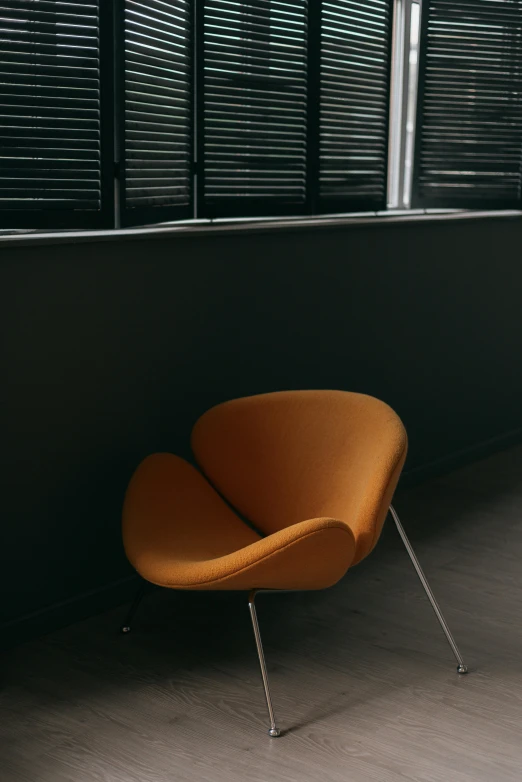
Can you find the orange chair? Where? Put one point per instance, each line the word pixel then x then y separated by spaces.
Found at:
pixel 313 472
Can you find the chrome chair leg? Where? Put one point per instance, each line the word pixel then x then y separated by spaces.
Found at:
pixel 126 627
pixel 461 667
pixel 274 730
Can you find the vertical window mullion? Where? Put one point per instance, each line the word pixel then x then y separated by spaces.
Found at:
pixel 398 103
pixel 118 55
pixel 313 119
pixel 403 97
pixel 200 109
pixel 416 198
pixel 411 104
pixel 107 94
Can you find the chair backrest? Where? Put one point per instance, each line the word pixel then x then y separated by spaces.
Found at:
pixel 288 456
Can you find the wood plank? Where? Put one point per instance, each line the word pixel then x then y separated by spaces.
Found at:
pixel 362 679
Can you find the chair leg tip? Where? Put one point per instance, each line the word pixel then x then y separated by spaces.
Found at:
pixel 462 668
pixel 274 733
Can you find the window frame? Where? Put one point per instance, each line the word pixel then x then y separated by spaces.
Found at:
pixel 114 215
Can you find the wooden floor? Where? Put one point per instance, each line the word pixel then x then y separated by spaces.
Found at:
pixel 363 681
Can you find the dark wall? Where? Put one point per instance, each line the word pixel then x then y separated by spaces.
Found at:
pixel 111 349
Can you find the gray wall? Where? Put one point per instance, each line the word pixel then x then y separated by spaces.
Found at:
pixel 111 349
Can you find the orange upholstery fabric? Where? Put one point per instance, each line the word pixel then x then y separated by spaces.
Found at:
pixel 283 457
pixel 314 471
pixel 179 533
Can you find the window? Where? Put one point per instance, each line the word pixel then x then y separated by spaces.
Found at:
pixel 56 122
pixel 134 112
pixel 354 77
pixel 253 80
pixel 155 117
pixel 469 140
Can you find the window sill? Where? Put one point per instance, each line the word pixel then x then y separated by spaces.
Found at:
pixel 20 238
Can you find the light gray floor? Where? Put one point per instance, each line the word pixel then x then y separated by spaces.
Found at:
pixel 362 678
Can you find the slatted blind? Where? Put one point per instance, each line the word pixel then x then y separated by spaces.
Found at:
pixel 469 127
pixel 252 87
pixel 290 99
pixel 354 97
pixel 51 155
pixel 157 131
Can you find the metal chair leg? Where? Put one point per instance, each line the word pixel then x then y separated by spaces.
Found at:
pixel 461 667
pixel 274 730
pixel 126 627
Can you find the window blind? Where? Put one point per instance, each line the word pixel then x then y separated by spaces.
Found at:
pixel 354 100
pixel 252 101
pixel 157 123
pixel 53 153
pixel 469 127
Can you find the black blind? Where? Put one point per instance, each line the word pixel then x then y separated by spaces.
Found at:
pixel 157 128
pixel 252 87
pixel 469 127
pixel 292 108
pixel 53 150
pixel 354 100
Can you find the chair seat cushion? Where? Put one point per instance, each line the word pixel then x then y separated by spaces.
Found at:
pixel 178 532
